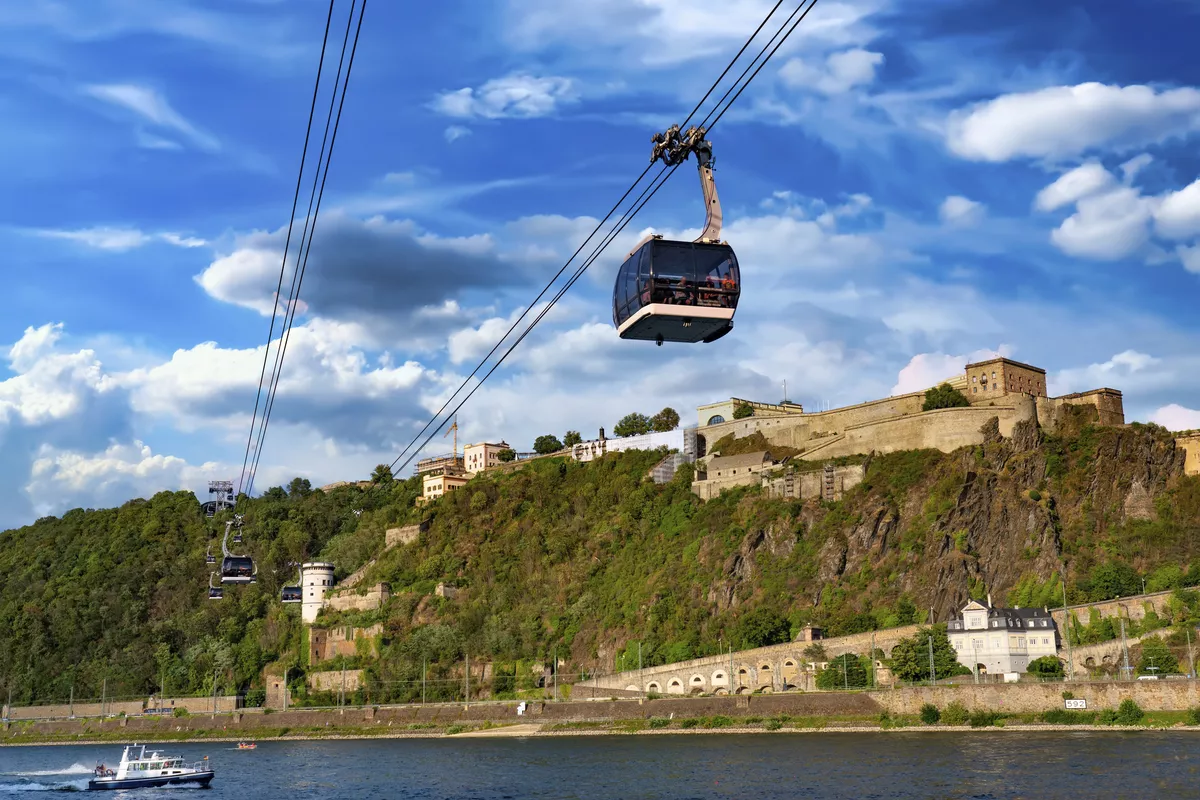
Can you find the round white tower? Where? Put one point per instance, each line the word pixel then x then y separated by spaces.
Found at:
pixel 316 578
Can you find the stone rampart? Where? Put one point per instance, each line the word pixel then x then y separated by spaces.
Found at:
pixel 335 680
pixel 130 708
pixel 344 640
pixel 1190 444
pixel 944 429
pixel 370 600
pixel 775 668
pixel 1019 698
pixel 1127 607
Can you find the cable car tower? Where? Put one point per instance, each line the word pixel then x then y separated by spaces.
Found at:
pixel 223 490
pixel 675 291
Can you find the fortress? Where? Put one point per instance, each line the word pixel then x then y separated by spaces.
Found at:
pixel 1000 388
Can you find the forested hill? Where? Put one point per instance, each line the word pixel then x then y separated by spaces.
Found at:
pixel 591 557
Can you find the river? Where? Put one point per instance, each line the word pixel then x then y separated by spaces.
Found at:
pixel 996 765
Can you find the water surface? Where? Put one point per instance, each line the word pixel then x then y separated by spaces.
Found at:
pixel 988 766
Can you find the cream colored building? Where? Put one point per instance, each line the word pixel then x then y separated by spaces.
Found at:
pixel 1190 444
pixel 997 377
pixel 716 413
pixel 434 486
pixel 725 472
pixel 992 640
pixel 483 456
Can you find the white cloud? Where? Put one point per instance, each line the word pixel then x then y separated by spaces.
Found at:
pixel 1072 186
pixel 1107 226
pixel 926 370
pixel 1125 369
pixel 1189 257
pixel 120 239
pixel 153 108
pixel 839 73
pixel 1175 417
pixel 456 132
pixel 961 212
pixel 517 95
pixel 1066 121
pixel 1179 215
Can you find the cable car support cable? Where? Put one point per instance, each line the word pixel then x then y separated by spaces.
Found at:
pixel 310 225
pixel 287 242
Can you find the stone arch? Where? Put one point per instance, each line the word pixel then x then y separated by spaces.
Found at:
pixel 720 678
pixel 653 686
pixel 1089 662
pixel 981 669
pixel 721 691
pixel 1107 659
pixel 675 686
pixel 789 670
pixel 696 680
pixel 743 690
pixel 744 675
pixel 632 688
pixel 701 446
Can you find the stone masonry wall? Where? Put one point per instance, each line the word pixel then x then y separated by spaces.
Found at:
pixel 1190 443
pixel 327 643
pixel 374 597
pixel 193 705
pixel 776 667
pixel 332 680
pixel 1161 695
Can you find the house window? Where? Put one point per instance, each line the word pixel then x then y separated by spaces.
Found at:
pixel 995 624
pixel 974 379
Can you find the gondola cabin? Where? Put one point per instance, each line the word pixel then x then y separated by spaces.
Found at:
pixel 216 593
pixel 237 569
pixel 670 291
pixel 291 594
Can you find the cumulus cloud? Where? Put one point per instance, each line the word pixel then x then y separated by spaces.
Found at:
pixel 456 132
pixel 1113 220
pixel 517 95
pixel 961 212
pixel 839 73
pixel 1128 368
pixel 120 239
pixel 1175 417
pixel 926 370
pixel 151 107
pixel 1066 121
pixel 387 275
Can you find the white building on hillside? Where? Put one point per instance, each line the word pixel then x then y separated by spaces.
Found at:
pixel 316 578
pixel 998 640
pixel 483 456
pixel 681 439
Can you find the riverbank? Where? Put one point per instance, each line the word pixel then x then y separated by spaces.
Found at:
pixel 105 733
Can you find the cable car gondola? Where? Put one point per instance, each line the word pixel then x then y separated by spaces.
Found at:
pixel 675 291
pixel 291 594
pixel 209 558
pixel 235 568
pixel 214 592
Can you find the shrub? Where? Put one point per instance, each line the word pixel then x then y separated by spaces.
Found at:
pixel 955 714
pixel 1193 716
pixel 690 722
pixel 718 721
pixel 180 712
pixel 1035 495
pixel 930 714
pixel 773 724
pixel 743 410
pixel 453 729
pixel 1107 717
pixel 944 396
pixel 1045 667
pixel 659 722
pixel 984 719
pixel 1129 713
pixel 1061 716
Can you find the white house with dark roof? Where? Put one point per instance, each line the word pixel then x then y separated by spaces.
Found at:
pixel 997 640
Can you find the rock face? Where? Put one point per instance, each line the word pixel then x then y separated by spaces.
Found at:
pixel 943 528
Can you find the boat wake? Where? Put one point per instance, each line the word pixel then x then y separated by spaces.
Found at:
pixel 35 786
pixel 74 769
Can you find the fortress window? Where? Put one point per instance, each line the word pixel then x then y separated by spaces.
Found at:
pixel 975 390
pixel 974 379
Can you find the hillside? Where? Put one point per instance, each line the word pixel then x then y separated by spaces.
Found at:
pixel 591 557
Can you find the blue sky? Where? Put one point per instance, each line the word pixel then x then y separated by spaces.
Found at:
pixel 908 185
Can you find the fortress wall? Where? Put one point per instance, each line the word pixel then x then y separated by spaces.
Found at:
pixel 1161 695
pixel 1127 607
pixel 327 643
pixel 373 599
pixel 795 430
pixel 945 429
pixel 1190 443
pixel 332 680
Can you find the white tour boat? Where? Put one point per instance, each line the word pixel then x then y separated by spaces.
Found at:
pixel 138 770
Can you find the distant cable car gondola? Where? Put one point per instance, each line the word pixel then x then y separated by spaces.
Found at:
pixel 235 568
pixel 292 594
pixel 209 558
pixel 674 291
pixel 214 592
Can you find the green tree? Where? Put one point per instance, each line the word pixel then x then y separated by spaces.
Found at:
pixel 546 444
pixel 815 652
pixel 507 454
pixel 930 714
pixel 634 424
pixel 761 627
pixel 910 656
pixel 1045 667
pixel 665 420
pixel 571 439
pixel 742 410
pixel 382 474
pixel 844 671
pixel 1112 579
pixel 944 396
pixel 299 487
pixel 1155 653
